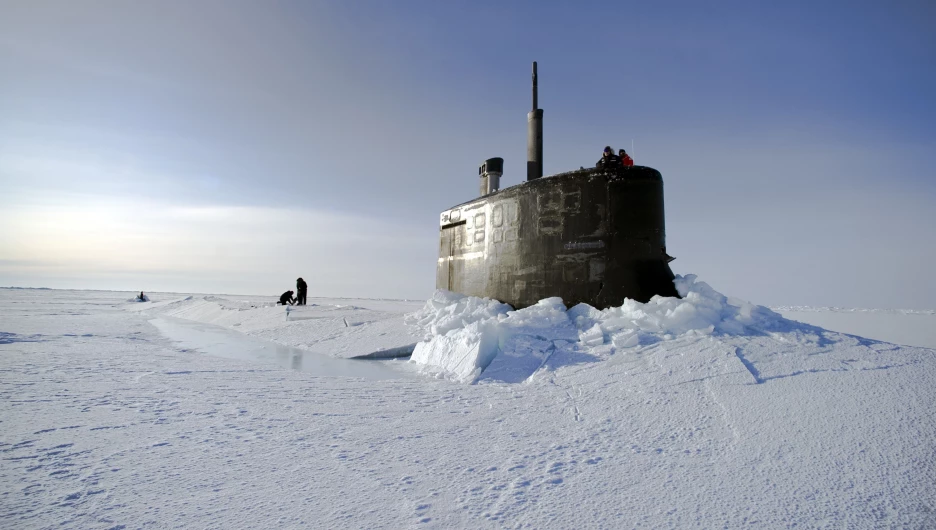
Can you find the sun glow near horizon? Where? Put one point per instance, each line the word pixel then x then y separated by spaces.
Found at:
pixel 89 236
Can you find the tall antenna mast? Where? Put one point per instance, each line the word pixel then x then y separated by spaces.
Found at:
pixel 535 135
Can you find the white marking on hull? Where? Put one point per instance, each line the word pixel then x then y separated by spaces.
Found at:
pixel 467 255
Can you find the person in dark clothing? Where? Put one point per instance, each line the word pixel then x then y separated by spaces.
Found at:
pixel 301 289
pixel 626 160
pixel 287 298
pixel 608 158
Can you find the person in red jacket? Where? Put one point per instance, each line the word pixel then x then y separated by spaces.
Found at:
pixel 626 160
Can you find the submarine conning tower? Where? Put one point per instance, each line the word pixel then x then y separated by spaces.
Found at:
pixel 594 235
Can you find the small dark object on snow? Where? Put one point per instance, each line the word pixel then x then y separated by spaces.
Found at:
pixel 287 298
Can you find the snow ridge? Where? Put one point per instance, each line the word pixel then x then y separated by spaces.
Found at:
pixel 469 336
pixel 835 309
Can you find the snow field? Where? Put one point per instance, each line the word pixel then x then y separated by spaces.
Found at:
pixel 912 328
pixel 757 422
pixel 333 327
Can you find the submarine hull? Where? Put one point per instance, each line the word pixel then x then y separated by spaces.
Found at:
pixel 595 236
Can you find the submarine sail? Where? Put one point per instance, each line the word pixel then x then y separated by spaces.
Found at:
pixel 594 235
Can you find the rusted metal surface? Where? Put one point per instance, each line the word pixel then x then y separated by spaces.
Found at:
pixel 595 236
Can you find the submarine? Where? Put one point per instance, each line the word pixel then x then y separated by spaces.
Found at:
pixel 594 235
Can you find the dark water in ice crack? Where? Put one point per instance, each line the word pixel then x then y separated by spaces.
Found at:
pixel 217 341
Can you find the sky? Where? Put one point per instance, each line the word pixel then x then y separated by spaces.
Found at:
pixel 230 147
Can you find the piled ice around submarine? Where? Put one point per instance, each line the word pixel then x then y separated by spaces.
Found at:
pixel 465 335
